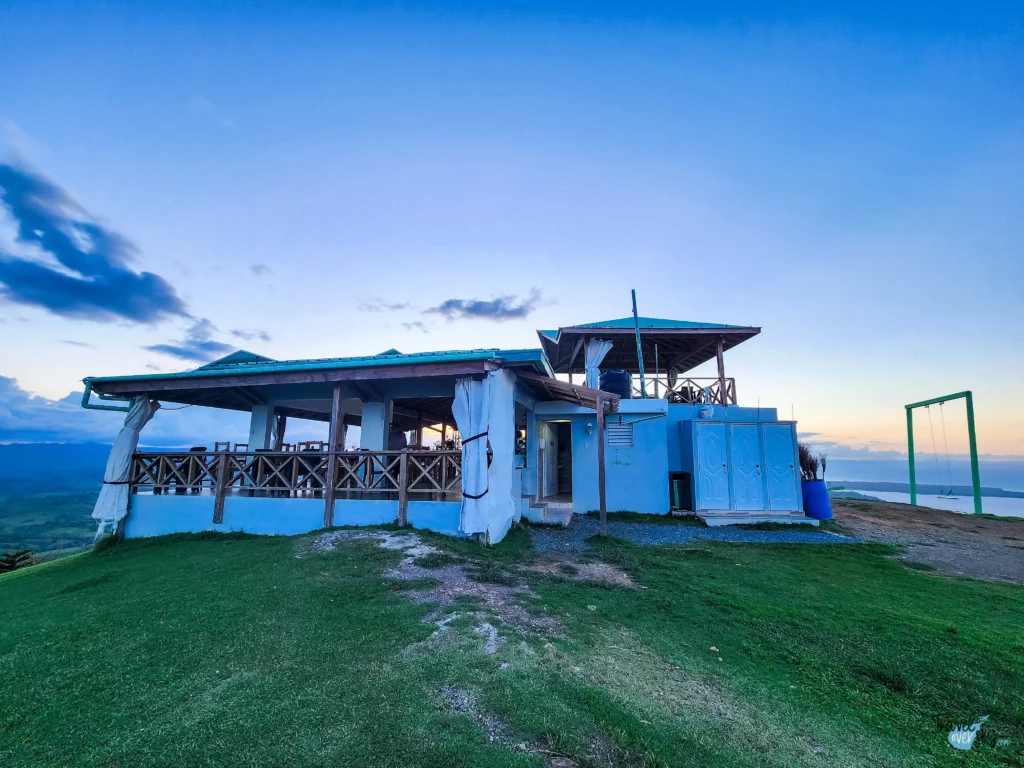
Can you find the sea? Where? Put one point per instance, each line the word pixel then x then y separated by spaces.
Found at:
pixel 993 505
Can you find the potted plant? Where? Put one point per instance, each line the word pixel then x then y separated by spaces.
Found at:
pixel 816 500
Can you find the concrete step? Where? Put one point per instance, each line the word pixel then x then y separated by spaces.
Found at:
pixel 733 517
pixel 549 512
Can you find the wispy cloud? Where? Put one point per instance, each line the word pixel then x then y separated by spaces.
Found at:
pixel 198 344
pixel 380 305
pixel 418 325
pixel 244 335
pixel 499 309
pixel 260 270
pixel 83 344
pixel 85 270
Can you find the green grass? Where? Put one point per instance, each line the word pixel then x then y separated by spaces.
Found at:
pixel 231 651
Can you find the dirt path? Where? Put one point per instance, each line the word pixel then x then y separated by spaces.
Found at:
pixel 953 543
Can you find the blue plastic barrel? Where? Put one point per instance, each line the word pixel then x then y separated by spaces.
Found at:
pixel 617 382
pixel 817 503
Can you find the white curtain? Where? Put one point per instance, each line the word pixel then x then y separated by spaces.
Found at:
pixel 112 504
pixel 596 350
pixel 487 408
pixel 470 409
pixel 503 498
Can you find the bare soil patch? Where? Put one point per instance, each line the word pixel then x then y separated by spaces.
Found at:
pixel 951 542
pixel 575 569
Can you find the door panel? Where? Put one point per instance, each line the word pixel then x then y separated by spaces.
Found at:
pixel 550 458
pixel 780 463
pixel 714 466
pixel 747 480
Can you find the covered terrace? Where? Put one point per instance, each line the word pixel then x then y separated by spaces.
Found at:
pixel 485 392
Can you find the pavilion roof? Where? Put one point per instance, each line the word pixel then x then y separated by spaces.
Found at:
pixel 681 344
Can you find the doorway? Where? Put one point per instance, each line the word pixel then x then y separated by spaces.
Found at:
pixel 554 469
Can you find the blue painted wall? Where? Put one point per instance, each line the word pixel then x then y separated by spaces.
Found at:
pixel 439 516
pixel 636 478
pixel 152 515
pixel 158 515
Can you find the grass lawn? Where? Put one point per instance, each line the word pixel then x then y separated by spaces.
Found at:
pixel 217 650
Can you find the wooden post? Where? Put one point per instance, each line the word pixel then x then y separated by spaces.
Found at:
pixel 444 435
pixel 403 490
pixel 602 504
pixel 221 490
pixel 282 422
pixel 720 354
pixel 335 436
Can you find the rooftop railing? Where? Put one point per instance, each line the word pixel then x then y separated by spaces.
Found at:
pixel 700 391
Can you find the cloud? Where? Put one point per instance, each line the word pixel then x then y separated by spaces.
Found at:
pixel 380 305
pixel 25 418
pixel 28 418
pixel 500 309
pixel 198 344
pixel 260 270
pixel 417 325
pixel 84 271
pixel 83 344
pixel 244 335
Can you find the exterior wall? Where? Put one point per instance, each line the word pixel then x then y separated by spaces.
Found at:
pixel 152 515
pixel 636 478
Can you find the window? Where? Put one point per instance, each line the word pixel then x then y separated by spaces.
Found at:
pixel 620 435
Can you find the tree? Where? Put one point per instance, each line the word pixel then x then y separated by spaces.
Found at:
pixel 12 561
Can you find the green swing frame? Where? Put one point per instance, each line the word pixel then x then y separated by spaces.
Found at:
pixel 975 474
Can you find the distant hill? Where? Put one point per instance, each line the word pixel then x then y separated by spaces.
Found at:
pixel 924 488
pixel 29 469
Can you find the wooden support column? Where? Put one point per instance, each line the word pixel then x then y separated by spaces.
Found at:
pixel 720 354
pixel 403 489
pixel 602 529
pixel 221 490
pixel 282 423
pixel 334 442
pixel 444 435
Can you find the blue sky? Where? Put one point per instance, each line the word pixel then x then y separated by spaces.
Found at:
pixel 847 177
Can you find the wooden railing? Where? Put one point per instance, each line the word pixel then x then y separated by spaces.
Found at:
pixel 428 475
pixel 688 391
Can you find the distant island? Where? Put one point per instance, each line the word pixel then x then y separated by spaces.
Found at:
pixel 923 488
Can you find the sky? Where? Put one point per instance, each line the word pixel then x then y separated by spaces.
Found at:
pixel 327 179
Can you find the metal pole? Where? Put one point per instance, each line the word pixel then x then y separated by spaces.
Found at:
pixel 975 473
pixel 639 349
pixel 910 451
pixel 602 528
pixel 657 372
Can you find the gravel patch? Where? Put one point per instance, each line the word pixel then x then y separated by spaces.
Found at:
pixel 465 703
pixel 573 538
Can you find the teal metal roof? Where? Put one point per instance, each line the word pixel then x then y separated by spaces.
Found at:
pixel 247 362
pixel 648 322
pixel 677 344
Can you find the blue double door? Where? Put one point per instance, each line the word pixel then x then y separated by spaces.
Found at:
pixel 747 467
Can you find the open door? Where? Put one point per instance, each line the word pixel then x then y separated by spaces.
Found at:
pixel 548 440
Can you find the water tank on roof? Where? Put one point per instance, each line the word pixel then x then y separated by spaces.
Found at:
pixel 618 383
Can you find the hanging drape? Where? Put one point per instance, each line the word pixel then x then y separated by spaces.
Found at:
pixel 596 350
pixel 502 499
pixel 484 412
pixel 470 409
pixel 112 504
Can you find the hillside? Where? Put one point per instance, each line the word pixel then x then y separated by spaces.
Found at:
pixel 307 651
